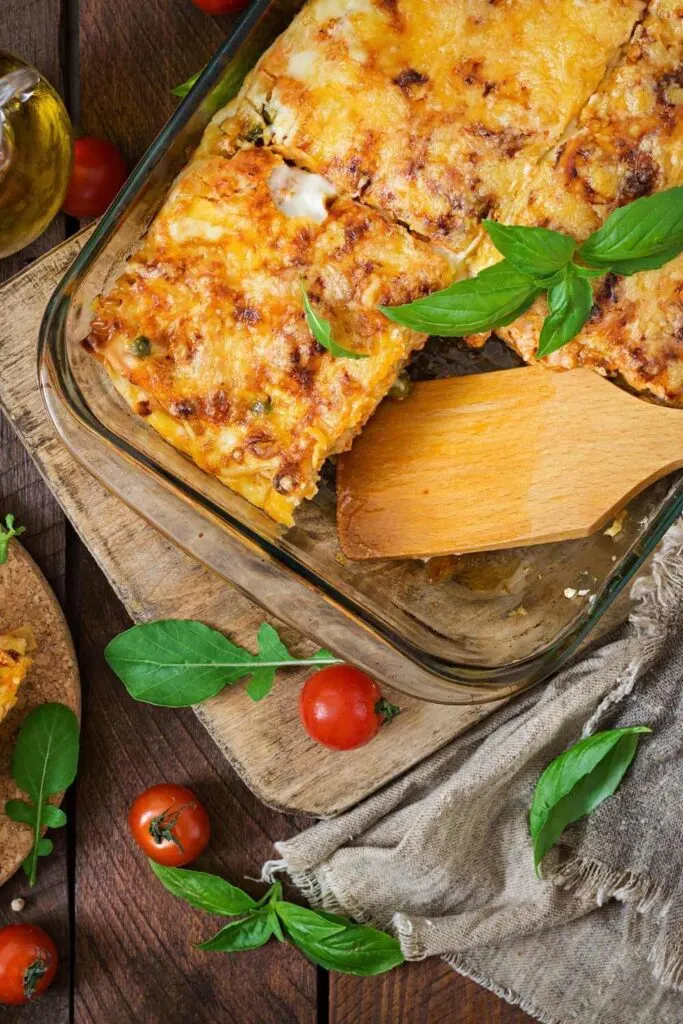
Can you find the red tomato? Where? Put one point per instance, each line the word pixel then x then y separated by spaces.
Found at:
pixel 221 6
pixel 342 708
pixel 98 173
pixel 28 963
pixel 169 824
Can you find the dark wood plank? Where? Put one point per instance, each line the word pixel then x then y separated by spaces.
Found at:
pixel 134 956
pixel 30 29
pixel 429 992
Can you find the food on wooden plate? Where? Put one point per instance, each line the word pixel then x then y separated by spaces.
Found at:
pixel 206 335
pixel 169 824
pixel 626 144
pixel 15 662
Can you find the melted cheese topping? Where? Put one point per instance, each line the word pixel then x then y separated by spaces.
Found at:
pixel 234 377
pixel 14 665
pixel 433 111
pixel 627 143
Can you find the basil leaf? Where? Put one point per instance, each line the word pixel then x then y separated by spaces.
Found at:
pixel 44 763
pixel 248 933
pixel 204 891
pixel 321 330
pixel 180 662
pixel 357 949
pixel 577 781
pixel 6 536
pixel 570 303
pixel 309 923
pixel 635 235
pixel 182 90
pixel 537 252
pixel 494 298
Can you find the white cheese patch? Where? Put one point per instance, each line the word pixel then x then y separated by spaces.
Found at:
pixel 326 10
pixel 298 193
pixel 301 65
pixel 184 228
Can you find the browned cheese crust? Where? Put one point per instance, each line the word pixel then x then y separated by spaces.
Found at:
pixel 628 143
pixel 234 376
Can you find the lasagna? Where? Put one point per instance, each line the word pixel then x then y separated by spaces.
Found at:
pixel 627 143
pixel 15 662
pixel 356 165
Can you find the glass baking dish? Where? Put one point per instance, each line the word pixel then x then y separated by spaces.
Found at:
pixel 458 630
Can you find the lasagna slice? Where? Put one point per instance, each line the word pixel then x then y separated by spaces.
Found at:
pixel 433 112
pixel 628 143
pixel 14 665
pixel 205 334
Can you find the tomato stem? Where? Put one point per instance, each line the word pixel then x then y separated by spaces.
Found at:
pixel 161 827
pixel 32 975
pixel 387 710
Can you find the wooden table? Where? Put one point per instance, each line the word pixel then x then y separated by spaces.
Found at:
pixel 124 943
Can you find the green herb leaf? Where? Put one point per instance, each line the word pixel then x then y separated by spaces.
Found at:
pixel 570 303
pixel 204 891
pixel 642 235
pixel 179 662
pixel 494 298
pixel 182 90
pixel 356 949
pixel 44 763
pixel 538 252
pixel 309 924
pixel 577 781
pixel 248 933
pixel 6 536
pixel 321 330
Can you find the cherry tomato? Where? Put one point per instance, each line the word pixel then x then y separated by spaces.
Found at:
pixel 98 173
pixel 169 824
pixel 342 708
pixel 221 6
pixel 28 963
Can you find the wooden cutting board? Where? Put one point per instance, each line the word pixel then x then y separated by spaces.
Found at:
pixel 264 742
pixel 26 599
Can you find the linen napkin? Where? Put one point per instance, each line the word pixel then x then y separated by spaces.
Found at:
pixel 443 857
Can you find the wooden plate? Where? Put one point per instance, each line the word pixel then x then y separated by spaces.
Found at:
pixel 26 598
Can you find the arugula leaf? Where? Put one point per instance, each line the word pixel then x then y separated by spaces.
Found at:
pixel 6 536
pixel 538 252
pixel 494 298
pixel 44 763
pixel 570 303
pixel 642 235
pixel 248 933
pixel 204 891
pixel 577 781
pixel 321 329
pixel 180 662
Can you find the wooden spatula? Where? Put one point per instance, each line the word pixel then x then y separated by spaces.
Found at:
pixel 498 460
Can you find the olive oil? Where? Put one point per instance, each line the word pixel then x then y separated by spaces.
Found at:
pixel 35 154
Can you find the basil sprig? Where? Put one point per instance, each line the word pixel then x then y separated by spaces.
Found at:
pixel 321 329
pixel 6 535
pixel 327 939
pixel 179 662
pixel 643 235
pixel 44 763
pixel 577 781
